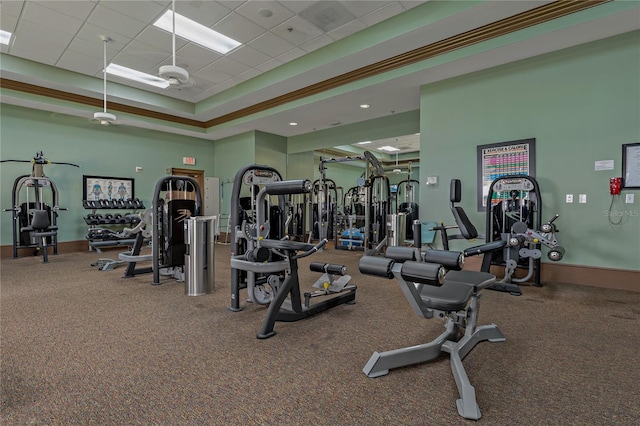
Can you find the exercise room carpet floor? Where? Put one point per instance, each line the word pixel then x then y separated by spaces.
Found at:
pixel 81 346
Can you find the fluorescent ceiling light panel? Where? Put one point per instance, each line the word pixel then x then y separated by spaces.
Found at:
pixel 197 33
pixel 138 76
pixel 363 143
pixel 5 37
pixel 388 148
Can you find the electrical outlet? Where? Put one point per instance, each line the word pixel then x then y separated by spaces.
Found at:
pixel 629 199
pixel 582 198
pixel 569 198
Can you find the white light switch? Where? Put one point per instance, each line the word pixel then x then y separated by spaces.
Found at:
pixel 582 198
pixel 629 199
pixel 569 198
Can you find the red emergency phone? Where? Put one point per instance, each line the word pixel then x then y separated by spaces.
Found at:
pixel 615 185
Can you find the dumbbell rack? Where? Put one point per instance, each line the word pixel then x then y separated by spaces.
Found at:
pixel 100 234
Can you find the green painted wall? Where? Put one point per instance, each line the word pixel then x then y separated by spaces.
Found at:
pixel 272 150
pixel 580 104
pixel 102 151
pixel 230 155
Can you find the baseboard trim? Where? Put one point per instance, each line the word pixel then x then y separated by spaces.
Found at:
pixel 6 252
pixel 617 279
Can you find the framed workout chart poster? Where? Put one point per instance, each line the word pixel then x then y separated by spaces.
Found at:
pixel 501 159
pixel 106 188
pixel 631 166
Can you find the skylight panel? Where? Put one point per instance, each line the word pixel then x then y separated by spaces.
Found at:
pixel 197 33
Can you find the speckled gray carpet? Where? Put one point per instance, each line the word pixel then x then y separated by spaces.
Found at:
pixel 86 347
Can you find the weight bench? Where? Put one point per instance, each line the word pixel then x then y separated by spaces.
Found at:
pixel 435 286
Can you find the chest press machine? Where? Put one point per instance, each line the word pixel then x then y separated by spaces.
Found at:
pixel 436 286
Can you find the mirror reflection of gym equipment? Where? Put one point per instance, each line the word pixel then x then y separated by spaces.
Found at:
pixel 362 223
pixel 266 263
pixel 407 209
pixel 35 211
pixel 515 232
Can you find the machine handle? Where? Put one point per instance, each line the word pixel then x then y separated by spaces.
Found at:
pixel 313 249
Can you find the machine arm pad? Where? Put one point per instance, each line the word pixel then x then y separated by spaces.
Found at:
pixel 452 260
pixel 378 266
pixel 300 186
pixel 423 273
pixel 329 268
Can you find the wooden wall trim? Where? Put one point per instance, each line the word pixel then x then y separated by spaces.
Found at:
pixel 98 103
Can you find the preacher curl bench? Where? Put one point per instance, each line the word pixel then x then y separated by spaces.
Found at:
pixel 436 286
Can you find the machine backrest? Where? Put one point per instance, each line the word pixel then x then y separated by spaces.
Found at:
pixel 467 230
pixel 40 220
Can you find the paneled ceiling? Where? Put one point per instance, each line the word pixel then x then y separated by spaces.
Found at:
pixel 58 54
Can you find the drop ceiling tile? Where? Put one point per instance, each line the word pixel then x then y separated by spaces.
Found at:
pixel 212 73
pixel 193 57
pixel 144 11
pixel 161 39
pixel 297 30
pixel 115 21
pixel 271 63
pixel 80 63
pixel 290 55
pixel 381 14
pixel 76 9
pixel 228 66
pixel 91 33
pixel 364 7
pixel 272 45
pixel 249 74
pixel 146 64
pixel 36 51
pixel 410 4
pixel 296 6
pixel 317 43
pixel 206 13
pixel 231 4
pixel 248 56
pixel 90 49
pixel 238 27
pixel 50 19
pixel 346 30
pixel 257 11
pixel 13 8
pixel 8 21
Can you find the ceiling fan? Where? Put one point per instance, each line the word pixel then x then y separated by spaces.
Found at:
pixel 103 117
pixel 177 77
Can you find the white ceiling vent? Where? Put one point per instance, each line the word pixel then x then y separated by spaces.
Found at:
pixel 327 15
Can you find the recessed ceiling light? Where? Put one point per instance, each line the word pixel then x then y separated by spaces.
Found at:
pixel 365 106
pixel 388 148
pixel 197 33
pixel 363 143
pixel 138 76
pixel 293 123
pixel 5 37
